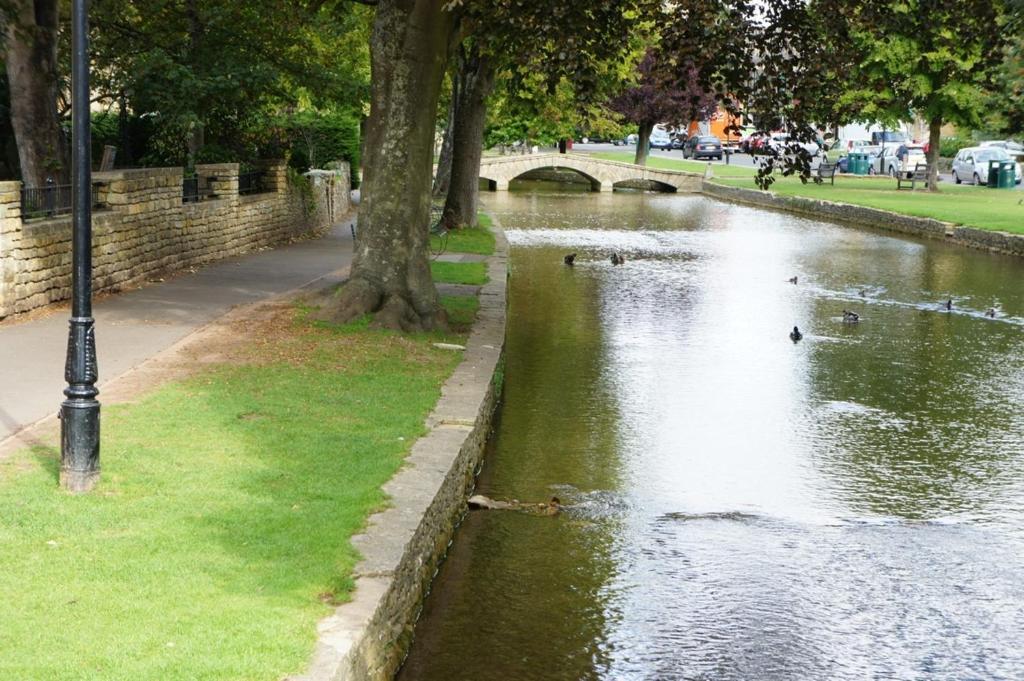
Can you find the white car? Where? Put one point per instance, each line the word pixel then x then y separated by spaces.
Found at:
pixel 781 141
pixel 660 139
pixel 901 159
pixel 1014 149
pixel 971 164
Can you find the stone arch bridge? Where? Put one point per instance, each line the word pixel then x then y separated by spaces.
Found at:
pixel 603 175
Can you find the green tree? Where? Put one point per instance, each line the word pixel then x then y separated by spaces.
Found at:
pixel 934 58
pixel 209 73
pixel 409 47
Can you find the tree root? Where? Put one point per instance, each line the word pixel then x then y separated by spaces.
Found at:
pixel 360 297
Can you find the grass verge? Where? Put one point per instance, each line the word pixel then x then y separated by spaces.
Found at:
pixel 473 273
pixel 218 535
pixel 678 164
pixel 963 205
pixel 477 240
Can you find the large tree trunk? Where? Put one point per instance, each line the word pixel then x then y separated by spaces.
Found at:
pixel 476 73
pixel 643 143
pixel 443 176
pixel 31 58
pixel 391 271
pixel 934 142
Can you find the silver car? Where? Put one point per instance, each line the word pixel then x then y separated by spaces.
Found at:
pixel 971 164
pixel 901 159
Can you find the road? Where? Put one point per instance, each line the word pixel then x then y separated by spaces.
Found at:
pixel 744 160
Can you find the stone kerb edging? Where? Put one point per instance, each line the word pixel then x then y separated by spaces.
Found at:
pixel 368 637
pixel 972 237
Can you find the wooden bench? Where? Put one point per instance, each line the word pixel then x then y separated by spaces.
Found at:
pixel 827 171
pixel 920 174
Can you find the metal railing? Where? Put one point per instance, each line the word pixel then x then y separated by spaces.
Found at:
pixel 252 182
pixel 195 189
pixel 51 200
pixel 190 190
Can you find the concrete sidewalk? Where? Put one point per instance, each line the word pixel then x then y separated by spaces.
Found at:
pixel 134 326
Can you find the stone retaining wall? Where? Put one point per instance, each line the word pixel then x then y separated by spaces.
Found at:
pixel 145 230
pixel 843 212
pixel 402 547
pixel 972 237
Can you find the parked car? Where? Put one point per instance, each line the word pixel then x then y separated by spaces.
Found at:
pixel 888 137
pixel 660 139
pixel 679 140
pixel 1014 149
pixel 780 143
pixel 631 138
pixel 703 146
pixel 971 164
pixel 900 160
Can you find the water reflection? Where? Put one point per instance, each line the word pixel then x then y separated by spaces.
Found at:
pixel 847 507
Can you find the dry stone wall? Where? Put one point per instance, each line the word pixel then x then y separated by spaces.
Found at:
pixel 144 229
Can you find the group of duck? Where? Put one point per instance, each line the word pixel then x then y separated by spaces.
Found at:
pixel 616 258
pixel 850 317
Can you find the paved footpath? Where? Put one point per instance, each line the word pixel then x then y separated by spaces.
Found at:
pixel 133 326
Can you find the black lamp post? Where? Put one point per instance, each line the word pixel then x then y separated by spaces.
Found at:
pixel 80 412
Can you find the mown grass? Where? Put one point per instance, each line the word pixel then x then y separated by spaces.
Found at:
pixel 473 273
pixel 466 240
pixel 219 533
pixel 964 205
pixel 461 311
pixel 720 170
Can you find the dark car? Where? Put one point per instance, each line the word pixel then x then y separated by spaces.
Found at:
pixel 703 146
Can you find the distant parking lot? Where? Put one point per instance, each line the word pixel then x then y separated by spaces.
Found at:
pixel 744 160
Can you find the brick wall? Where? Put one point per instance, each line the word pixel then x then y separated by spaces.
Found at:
pixel 145 230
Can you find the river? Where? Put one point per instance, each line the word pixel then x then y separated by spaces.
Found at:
pixel 739 506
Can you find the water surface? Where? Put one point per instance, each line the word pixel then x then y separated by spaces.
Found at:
pixel 740 506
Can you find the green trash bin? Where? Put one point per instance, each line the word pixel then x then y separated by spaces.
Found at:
pixel 858 163
pixel 1001 174
pixel 1006 174
pixel 993 174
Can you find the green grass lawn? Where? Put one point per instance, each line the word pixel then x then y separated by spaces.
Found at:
pixel 474 273
pixel 965 205
pixel 219 533
pixel 678 164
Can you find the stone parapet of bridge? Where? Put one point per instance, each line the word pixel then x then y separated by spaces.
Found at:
pixel 603 174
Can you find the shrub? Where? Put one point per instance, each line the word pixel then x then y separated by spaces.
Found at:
pixel 312 140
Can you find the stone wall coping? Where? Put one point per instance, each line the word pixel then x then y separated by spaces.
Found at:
pixel 135 173
pixel 368 637
pixel 202 168
pixel 10 186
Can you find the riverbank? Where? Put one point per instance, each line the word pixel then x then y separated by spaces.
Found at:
pixel 368 637
pixel 219 533
pixel 964 205
pixel 819 201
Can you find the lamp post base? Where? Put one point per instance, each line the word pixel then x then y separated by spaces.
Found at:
pixel 78 482
pixel 80 445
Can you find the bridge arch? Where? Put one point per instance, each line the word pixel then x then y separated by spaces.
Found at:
pixel 603 175
pixel 540 174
